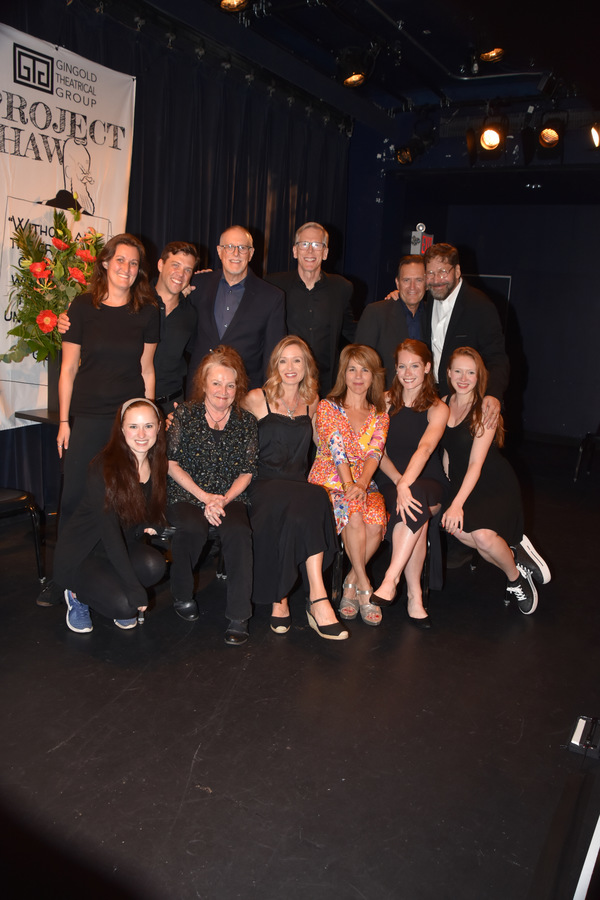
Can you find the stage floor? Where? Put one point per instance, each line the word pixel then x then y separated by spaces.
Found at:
pixel 397 765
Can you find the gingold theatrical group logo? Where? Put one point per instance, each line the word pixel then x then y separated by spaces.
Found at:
pixel 33 69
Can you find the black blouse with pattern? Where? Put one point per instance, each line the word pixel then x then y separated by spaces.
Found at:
pixel 213 459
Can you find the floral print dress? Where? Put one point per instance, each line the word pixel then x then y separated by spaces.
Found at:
pixel 339 443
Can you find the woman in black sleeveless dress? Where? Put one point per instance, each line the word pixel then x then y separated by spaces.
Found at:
pixel 414 478
pixel 486 511
pixel 292 521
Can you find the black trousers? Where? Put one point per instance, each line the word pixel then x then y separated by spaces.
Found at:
pixel 191 533
pixel 98 584
pixel 89 434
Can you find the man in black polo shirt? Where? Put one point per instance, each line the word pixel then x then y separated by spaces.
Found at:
pixel 318 305
pixel 177 321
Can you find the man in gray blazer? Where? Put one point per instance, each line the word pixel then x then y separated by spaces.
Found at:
pixel 237 308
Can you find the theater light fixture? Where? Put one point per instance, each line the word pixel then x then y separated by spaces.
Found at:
pixel 492 136
pixel 595 132
pixel 355 66
pixel 493 55
pixel 551 132
pixel 234 5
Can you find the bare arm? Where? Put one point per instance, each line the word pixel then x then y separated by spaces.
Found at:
pixel 71 354
pixel 255 402
pixel 148 375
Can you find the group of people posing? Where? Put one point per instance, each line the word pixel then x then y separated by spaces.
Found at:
pixel 235 460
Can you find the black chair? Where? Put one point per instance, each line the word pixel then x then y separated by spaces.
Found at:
pixel 586 452
pixel 14 502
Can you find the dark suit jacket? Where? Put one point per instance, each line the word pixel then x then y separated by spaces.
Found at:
pixel 257 326
pixel 382 326
pixel 335 293
pixel 474 323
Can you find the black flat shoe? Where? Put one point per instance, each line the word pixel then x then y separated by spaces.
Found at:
pixel 186 609
pixel 280 624
pixel 421 624
pixel 379 601
pixel 237 633
pixel 334 632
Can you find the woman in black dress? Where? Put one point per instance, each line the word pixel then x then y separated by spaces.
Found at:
pixel 107 357
pixel 486 512
pixel 413 486
pixel 101 557
pixel 213 445
pixel 291 520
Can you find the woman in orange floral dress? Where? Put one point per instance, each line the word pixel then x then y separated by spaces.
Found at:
pixel 351 426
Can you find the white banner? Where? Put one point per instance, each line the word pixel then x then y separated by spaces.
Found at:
pixel 66 128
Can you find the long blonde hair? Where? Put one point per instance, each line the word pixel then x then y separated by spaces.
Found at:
pixel 308 387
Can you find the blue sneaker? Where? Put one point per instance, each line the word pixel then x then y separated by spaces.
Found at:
pixel 125 623
pixel 78 614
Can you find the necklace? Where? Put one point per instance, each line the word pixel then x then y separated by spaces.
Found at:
pixel 291 412
pixel 217 421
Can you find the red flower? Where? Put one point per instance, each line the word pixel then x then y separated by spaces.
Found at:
pixel 60 245
pixel 85 255
pixel 39 270
pixel 77 274
pixel 46 320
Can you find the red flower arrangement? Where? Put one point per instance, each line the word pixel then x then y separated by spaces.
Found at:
pixel 77 275
pixel 40 269
pixel 46 320
pixel 46 281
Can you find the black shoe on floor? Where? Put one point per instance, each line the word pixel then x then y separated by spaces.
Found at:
pixel 237 632
pixel 523 590
pixel 50 595
pixel 186 609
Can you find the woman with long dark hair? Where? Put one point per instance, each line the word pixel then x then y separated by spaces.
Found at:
pixel 213 445
pixel 107 357
pixel 351 426
pixel 486 511
pixel 291 520
pixel 413 476
pixel 101 557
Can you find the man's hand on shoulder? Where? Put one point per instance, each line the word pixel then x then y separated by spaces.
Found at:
pixel 192 287
pixel 393 295
pixel 491 412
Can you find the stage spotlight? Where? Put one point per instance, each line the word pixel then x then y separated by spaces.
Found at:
pixel 234 5
pixel 494 55
pixel 551 132
pixel 492 135
pixel 595 133
pixel 355 66
pixel 490 138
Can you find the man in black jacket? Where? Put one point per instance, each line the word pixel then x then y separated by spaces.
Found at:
pixel 318 305
pixel 385 324
pixel 237 308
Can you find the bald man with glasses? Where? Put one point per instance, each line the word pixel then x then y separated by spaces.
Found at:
pixel 236 307
pixel 318 305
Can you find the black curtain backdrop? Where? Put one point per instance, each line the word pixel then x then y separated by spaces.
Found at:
pixel 213 146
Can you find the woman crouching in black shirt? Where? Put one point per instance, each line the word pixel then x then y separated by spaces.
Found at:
pixel 101 557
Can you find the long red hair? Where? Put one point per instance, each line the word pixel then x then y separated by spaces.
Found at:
pixel 475 414
pixel 427 396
